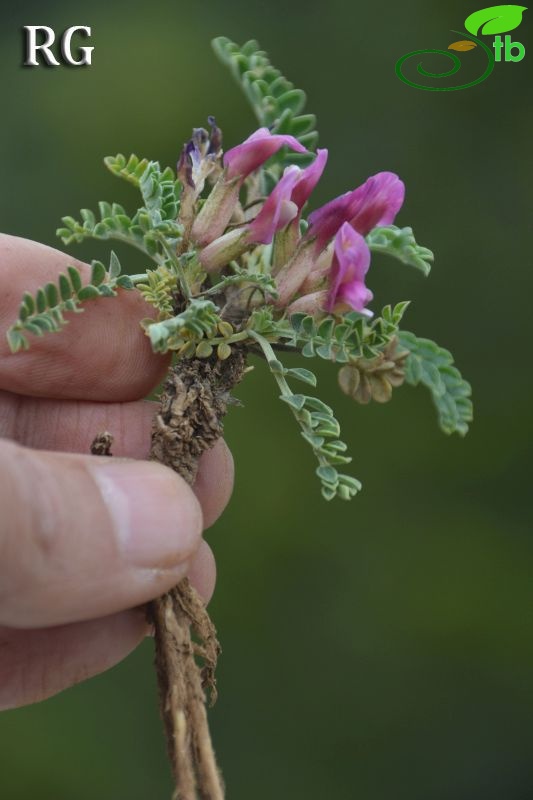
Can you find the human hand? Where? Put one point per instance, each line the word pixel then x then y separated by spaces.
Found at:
pixel 86 539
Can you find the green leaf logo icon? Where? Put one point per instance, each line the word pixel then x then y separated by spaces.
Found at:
pixel 496 19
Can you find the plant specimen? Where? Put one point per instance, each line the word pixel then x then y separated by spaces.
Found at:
pixel 234 266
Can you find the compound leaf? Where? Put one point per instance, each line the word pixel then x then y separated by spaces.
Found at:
pixel 433 366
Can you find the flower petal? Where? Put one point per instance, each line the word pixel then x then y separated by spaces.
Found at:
pixel 351 261
pixel 255 150
pixel 376 202
pixel 326 220
pixel 278 209
pixel 309 179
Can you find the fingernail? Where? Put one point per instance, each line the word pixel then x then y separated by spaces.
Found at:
pixel 157 518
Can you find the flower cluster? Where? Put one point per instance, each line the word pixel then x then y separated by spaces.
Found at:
pixel 319 265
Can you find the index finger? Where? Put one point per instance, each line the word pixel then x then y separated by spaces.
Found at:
pixel 101 354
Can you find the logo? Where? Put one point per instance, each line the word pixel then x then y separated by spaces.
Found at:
pixel 33 51
pixel 488 22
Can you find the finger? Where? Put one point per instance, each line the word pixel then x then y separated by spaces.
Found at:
pixel 101 354
pixel 203 572
pixel 214 482
pixel 71 425
pixel 85 536
pixel 36 664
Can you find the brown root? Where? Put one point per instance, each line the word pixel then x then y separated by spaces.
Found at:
pixel 182 685
pixel 193 402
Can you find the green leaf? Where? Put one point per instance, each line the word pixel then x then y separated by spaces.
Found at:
pixel 140 231
pixel 75 278
pixel 198 319
pixel 328 492
pixel 131 170
pixel 296 321
pixel 327 426
pixel 40 300
pixel 88 293
pixel 401 244
pixel 276 366
pixel 296 401
pixel 114 265
pixel 29 302
pixel 52 295
pixel 125 282
pixel 98 273
pixel 65 288
pixel 314 440
pixel 325 351
pixel 432 366
pixel 318 405
pixel 326 328
pixel 495 19
pixel 328 475
pixel 301 374
pixel 16 340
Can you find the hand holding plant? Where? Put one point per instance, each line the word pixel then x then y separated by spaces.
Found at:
pixel 236 267
pixel 84 539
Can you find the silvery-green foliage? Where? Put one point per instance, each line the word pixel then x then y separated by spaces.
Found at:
pixel 44 311
pixel 401 244
pixel 433 367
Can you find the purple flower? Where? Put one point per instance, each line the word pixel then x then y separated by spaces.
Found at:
pixel 278 209
pixel 255 150
pixel 374 203
pixel 287 240
pixel 351 260
pixel 309 179
pixel 326 220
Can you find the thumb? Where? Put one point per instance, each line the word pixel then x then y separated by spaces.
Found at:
pixel 85 536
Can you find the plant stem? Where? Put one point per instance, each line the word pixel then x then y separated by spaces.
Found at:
pixel 286 390
pixel 173 258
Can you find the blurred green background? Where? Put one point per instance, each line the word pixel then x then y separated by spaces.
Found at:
pixel 374 650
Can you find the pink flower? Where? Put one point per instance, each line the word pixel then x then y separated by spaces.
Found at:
pixel 288 239
pixel 326 220
pixel 375 202
pixel 243 159
pixel 309 179
pixel 351 260
pixel 240 161
pixel 278 209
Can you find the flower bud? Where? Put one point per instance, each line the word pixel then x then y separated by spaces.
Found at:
pixel 312 304
pixel 224 249
pixel 217 211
